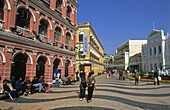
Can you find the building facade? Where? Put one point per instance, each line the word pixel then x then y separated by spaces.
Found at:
pixel 107 61
pixel 94 59
pixel 125 51
pixel 136 62
pixel 156 54
pixel 37 37
pixel 167 53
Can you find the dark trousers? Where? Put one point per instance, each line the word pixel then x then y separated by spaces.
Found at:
pixel 82 90
pixel 157 82
pixel 13 94
pixel 120 77
pixel 136 81
pixel 90 92
pixel 21 88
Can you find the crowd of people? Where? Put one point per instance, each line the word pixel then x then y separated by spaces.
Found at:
pixel 124 74
pixel 14 87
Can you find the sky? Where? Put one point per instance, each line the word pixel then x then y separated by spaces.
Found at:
pixel 116 21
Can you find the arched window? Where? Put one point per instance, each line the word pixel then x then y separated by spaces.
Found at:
pixel 68 39
pixel 58 4
pixel 150 51
pixel 154 50
pixel 1 9
pixel 81 38
pixel 151 67
pixel 57 35
pixel 68 11
pixel 23 18
pixel 43 28
pixel 160 50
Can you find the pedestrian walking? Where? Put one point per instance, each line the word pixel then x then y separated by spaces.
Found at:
pixel 108 73
pixel 83 86
pixel 123 74
pixel 136 77
pixel 120 75
pixel 156 79
pixel 90 82
pixel 111 74
pixel 77 76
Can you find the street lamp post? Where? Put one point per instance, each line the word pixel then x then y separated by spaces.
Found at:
pixel 79 56
pixel 93 62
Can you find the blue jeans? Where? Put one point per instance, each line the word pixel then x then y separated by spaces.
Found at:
pixel 39 85
pixel 57 82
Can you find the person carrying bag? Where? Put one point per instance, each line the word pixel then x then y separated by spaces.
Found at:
pixel 91 85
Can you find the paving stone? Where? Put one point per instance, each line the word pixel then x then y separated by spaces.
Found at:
pixel 110 94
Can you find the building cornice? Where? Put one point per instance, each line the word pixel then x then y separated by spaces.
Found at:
pixel 26 41
pixel 74 3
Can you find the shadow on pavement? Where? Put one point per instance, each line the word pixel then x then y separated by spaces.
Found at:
pixel 54 92
pixel 129 84
pixel 132 88
pixel 82 108
pixel 134 103
pixel 134 94
pixel 105 97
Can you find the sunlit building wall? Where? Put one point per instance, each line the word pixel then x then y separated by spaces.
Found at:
pixel 95 58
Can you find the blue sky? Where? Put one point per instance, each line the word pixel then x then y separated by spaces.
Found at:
pixel 116 21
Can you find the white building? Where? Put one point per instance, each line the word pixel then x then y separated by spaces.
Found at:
pixel 125 51
pixel 167 53
pixel 156 53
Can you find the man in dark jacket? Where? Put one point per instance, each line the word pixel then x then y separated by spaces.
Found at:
pixel 136 77
pixel 28 85
pixel 6 87
pixel 156 79
pixel 83 86
pixel 19 85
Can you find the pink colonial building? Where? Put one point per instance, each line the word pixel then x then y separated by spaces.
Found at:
pixel 37 37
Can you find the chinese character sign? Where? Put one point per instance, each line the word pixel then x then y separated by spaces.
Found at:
pixel 85 44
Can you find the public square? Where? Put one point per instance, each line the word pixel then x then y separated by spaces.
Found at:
pixel 110 94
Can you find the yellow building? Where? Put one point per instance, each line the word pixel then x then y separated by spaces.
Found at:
pixel 94 59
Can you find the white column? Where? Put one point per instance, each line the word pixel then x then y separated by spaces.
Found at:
pixel 163 53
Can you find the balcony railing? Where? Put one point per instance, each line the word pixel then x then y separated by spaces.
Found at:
pixel 95 49
pixel 41 38
pixel 24 32
pixel 68 18
pixel 59 11
pixel 118 56
pixel 68 47
pixel 44 39
pixel 58 44
pixel 49 41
